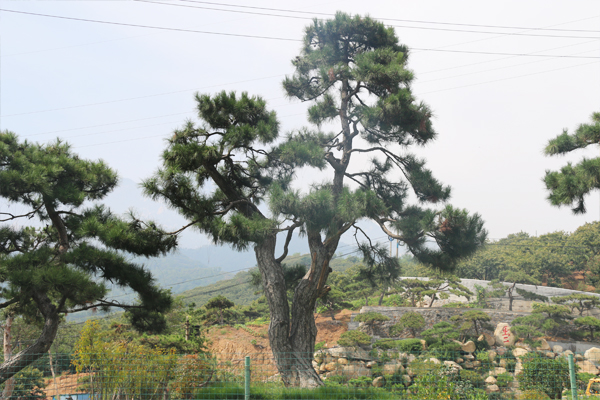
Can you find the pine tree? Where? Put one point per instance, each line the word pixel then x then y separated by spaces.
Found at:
pixel 570 185
pixel 64 267
pixel 216 174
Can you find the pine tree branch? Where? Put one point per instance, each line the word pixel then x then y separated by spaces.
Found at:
pixel 288 238
pixel 8 303
pixel 29 215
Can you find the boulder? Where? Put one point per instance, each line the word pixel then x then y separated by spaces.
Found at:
pixel 460 360
pixel 503 363
pixel 503 335
pixel 525 346
pixel 492 355
pixel 315 365
pixel 468 365
pixel 492 389
pixel 477 364
pixel 355 371
pixel 550 354
pixel 557 349
pixel 454 366
pixel 544 345
pixel 332 366
pixel 519 352
pixel 518 368
pixel 566 353
pixel 322 368
pixel 469 357
pixel 579 357
pixel 587 366
pixel 468 347
pixel 434 360
pixel 392 368
pixel 371 364
pixel 406 379
pixel 379 381
pixel 490 380
pixel 424 344
pixel 342 361
pixel 488 338
pixel 593 355
pixel 501 350
pixel 497 371
pixel 350 353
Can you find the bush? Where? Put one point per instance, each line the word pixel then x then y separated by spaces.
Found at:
pixel 370 317
pixel 583 378
pixel 412 321
pixel 386 344
pixel 410 346
pixel 547 375
pixel 504 379
pixel 354 338
pixel 471 376
pixel 532 394
pixel 444 350
pixel 319 346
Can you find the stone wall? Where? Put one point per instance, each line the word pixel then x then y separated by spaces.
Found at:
pixel 432 316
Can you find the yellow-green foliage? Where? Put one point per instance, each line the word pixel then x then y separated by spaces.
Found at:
pixel 354 338
pixel 534 395
pixel 192 373
pixel 121 368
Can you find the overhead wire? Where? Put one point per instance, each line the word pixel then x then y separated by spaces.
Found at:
pixel 389 19
pixel 392 25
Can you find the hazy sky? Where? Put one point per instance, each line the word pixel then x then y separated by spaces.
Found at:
pixel 502 78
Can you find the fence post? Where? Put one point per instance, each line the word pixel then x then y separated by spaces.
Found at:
pixel 247 379
pixel 573 378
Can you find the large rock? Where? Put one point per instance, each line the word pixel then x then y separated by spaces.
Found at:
pixel 503 335
pixel 557 349
pixel 379 381
pixel 492 389
pixel 544 345
pixel 523 346
pixel 454 366
pixel 587 366
pixel 518 368
pixel 519 352
pixel 488 338
pixel 497 371
pixel 492 355
pixel 468 365
pixel 332 366
pixel 349 353
pixel 342 361
pixel 490 380
pixel 371 364
pixel 468 347
pixel 355 371
pixel 434 360
pixel 592 355
pixel 392 368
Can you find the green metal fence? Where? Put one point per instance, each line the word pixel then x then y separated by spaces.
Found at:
pixel 340 373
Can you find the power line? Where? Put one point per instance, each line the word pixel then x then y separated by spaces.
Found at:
pixel 396 19
pixel 274 38
pixel 395 26
pixel 150 26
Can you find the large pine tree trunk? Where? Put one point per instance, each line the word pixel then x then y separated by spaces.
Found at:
pixel 32 353
pixel 9 385
pixel 293 340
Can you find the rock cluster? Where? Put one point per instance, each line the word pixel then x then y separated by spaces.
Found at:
pixel 504 357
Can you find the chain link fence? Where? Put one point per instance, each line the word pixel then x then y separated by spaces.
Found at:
pixel 340 373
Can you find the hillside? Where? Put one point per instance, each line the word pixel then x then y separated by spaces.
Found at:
pixel 238 290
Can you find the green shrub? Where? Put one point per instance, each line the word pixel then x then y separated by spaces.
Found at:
pixel 370 317
pixel 471 376
pixel 583 378
pixel 444 350
pixel 361 381
pixel 548 375
pixel 412 321
pixel 410 346
pixel 385 344
pixel 504 379
pixel 533 394
pixel 354 338
pixel 319 346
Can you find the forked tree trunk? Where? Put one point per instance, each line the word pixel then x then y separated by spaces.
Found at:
pixel 9 385
pixel 293 339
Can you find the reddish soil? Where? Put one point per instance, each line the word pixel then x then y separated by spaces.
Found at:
pixel 231 345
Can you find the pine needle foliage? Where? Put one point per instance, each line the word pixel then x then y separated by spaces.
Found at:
pixel 570 185
pixel 65 266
